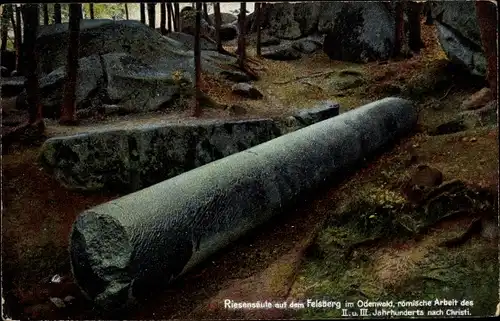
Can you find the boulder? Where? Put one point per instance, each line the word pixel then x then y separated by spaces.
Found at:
pixel 228 32
pixel 188 23
pixel 225 17
pixel 357 31
pixel 307 16
pixel 283 52
pixel 307 45
pixel 187 41
pixel 268 40
pixel 131 158
pixel 246 90
pixel 459 34
pixel 12 86
pixel 282 22
pixel 122 63
pixel 90 78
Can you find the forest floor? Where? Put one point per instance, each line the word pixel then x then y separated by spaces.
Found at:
pixel 278 261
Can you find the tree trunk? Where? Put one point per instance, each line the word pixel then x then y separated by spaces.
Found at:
pixel 399 20
pixel 177 15
pixel 19 39
pixel 205 13
pixel 218 22
pixel 415 36
pixel 258 13
pixel 170 17
pixel 487 19
pixel 57 13
pixel 6 17
pixel 45 14
pixel 143 12
pixel 163 18
pixel 152 15
pixel 68 110
pixel 241 36
pixel 91 9
pixel 31 18
pixel 197 60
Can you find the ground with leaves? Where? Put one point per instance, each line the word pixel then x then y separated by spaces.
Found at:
pixel 297 254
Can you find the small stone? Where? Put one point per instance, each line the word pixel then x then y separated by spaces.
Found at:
pixel 473 139
pixel 58 302
pixel 465 139
pixel 426 176
pixel 247 90
pixel 69 298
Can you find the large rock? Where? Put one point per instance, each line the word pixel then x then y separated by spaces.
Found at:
pixel 307 15
pixel 225 17
pixel 149 238
pixel 187 41
pixel 134 158
pixel 123 63
pixel 357 32
pixel 228 32
pixel 12 86
pixel 282 21
pixel 459 35
pixel 188 23
pixel 283 52
pixel 307 45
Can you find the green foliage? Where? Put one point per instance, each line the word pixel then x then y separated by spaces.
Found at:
pixel 106 10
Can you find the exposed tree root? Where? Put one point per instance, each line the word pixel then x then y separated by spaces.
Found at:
pixel 313 75
pixel 473 228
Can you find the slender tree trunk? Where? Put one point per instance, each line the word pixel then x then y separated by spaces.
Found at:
pixel 6 17
pixel 399 21
pixel 126 11
pixel 486 12
pixel 258 13
pixel 241 36
pixel 163 18
pixel 19 39
pixel 205 13
pixel 170 17
pixel 57 13
pixel 31 18
pixel 218 23
pixel 415 35
pixel 177 17
pixel 68 110
pixel 197 60
pixel 143 12
pixel 45 14
pixel 152 15
pixel 91 9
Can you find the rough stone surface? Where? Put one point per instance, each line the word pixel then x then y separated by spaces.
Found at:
pixel 12 86
pixel 159 233
pixel 246 90
pixel 307 45
pixel 459 34
pixel 225 17
pixel 357 31
pixel 228 32
pixel 123 63
pixel 323 110
pixel 283 52
pixel 268 40
pixel 135 158
pixel 187 41
pixel 282 22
